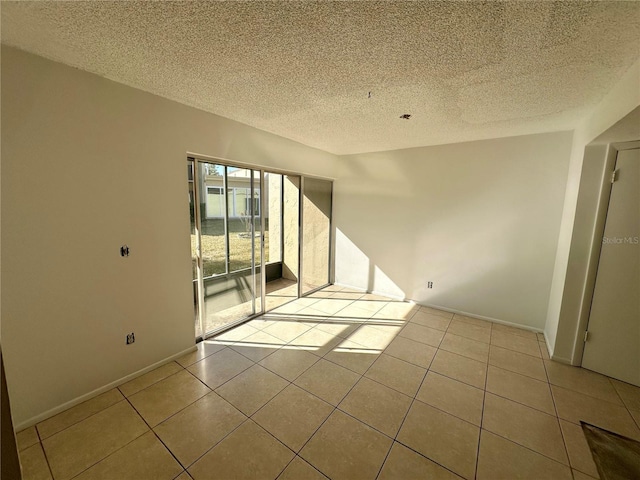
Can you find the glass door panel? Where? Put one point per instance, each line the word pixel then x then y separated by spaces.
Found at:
pixel 229 238
pixel 316 233
pixel 239 214
pixel 194 245
pixel 254 207
pixel 212 219
pixel 281 210
pixel 273 218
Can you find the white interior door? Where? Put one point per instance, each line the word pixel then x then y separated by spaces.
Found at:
pixel 613 344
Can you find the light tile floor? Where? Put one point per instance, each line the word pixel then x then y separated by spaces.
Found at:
pixel 343 385
pixel 278 292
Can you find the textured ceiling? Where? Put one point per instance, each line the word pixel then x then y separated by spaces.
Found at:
pixel 304 70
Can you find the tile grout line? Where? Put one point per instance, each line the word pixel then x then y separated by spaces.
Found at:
pixel 392 388
pixel 528 448
pixel 537 410
pixel 321 424
pixel 485 391
pixel 170 452
pixel 41 441
pixel 395 439
pixel 518 402
pixel 200 359
pixel 226 381
pixel 289 342
pixel 505 368
pixel 123 446
pixel 301 373
pixel 46 458
pixel 79 421
pixel 635 422
pixel 494 433
pixel 557 415
pixel 318 359
pixel 356 327
pixel 225 400
pixel 297 376
pixel 334 410
pixel 425 457
pixel 44 452
pixel 518 443
pixel 152 383
pixel 484 399
pixel 585 394
pixel 224 437
pixel 189 405
pixel 219 441
pixel 417 400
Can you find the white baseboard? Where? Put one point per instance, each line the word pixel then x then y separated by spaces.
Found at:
pixel 346 285
pixel 393 297
pixel 482 317
pixel 558 359
pixel 94 393
pixel 375 292
pixel 547 346
pixel 446 309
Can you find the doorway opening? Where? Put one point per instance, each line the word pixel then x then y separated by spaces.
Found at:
pixel 613 331
pixel 283 256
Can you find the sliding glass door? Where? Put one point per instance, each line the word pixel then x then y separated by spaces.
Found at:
pixel 259 239
pixel 226 244
pixel 282 238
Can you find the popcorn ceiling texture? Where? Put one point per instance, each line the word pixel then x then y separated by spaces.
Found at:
pixel 303 70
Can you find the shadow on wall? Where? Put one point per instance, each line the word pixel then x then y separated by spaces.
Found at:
pixel 356 269
pixel 316 229
pixel 361 272
pixel 399 253
pixel 479 220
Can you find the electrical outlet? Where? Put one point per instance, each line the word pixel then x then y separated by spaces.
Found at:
pixel 429 284
pixel 130 338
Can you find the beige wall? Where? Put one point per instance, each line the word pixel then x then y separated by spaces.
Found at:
pixel 291 221
pixel 479 219
pixel 274 214
pixel 316 231
pixel 68 298
pixel 561 329
pixel 592 180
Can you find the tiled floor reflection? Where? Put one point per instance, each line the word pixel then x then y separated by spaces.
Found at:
pixel 236 303
pixel 343 385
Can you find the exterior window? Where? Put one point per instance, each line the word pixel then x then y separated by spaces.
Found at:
pixel 215 202
pixel 256 205
pixel 238 198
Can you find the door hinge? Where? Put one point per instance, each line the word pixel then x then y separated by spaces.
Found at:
pixel 586 335
pixel 614 174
